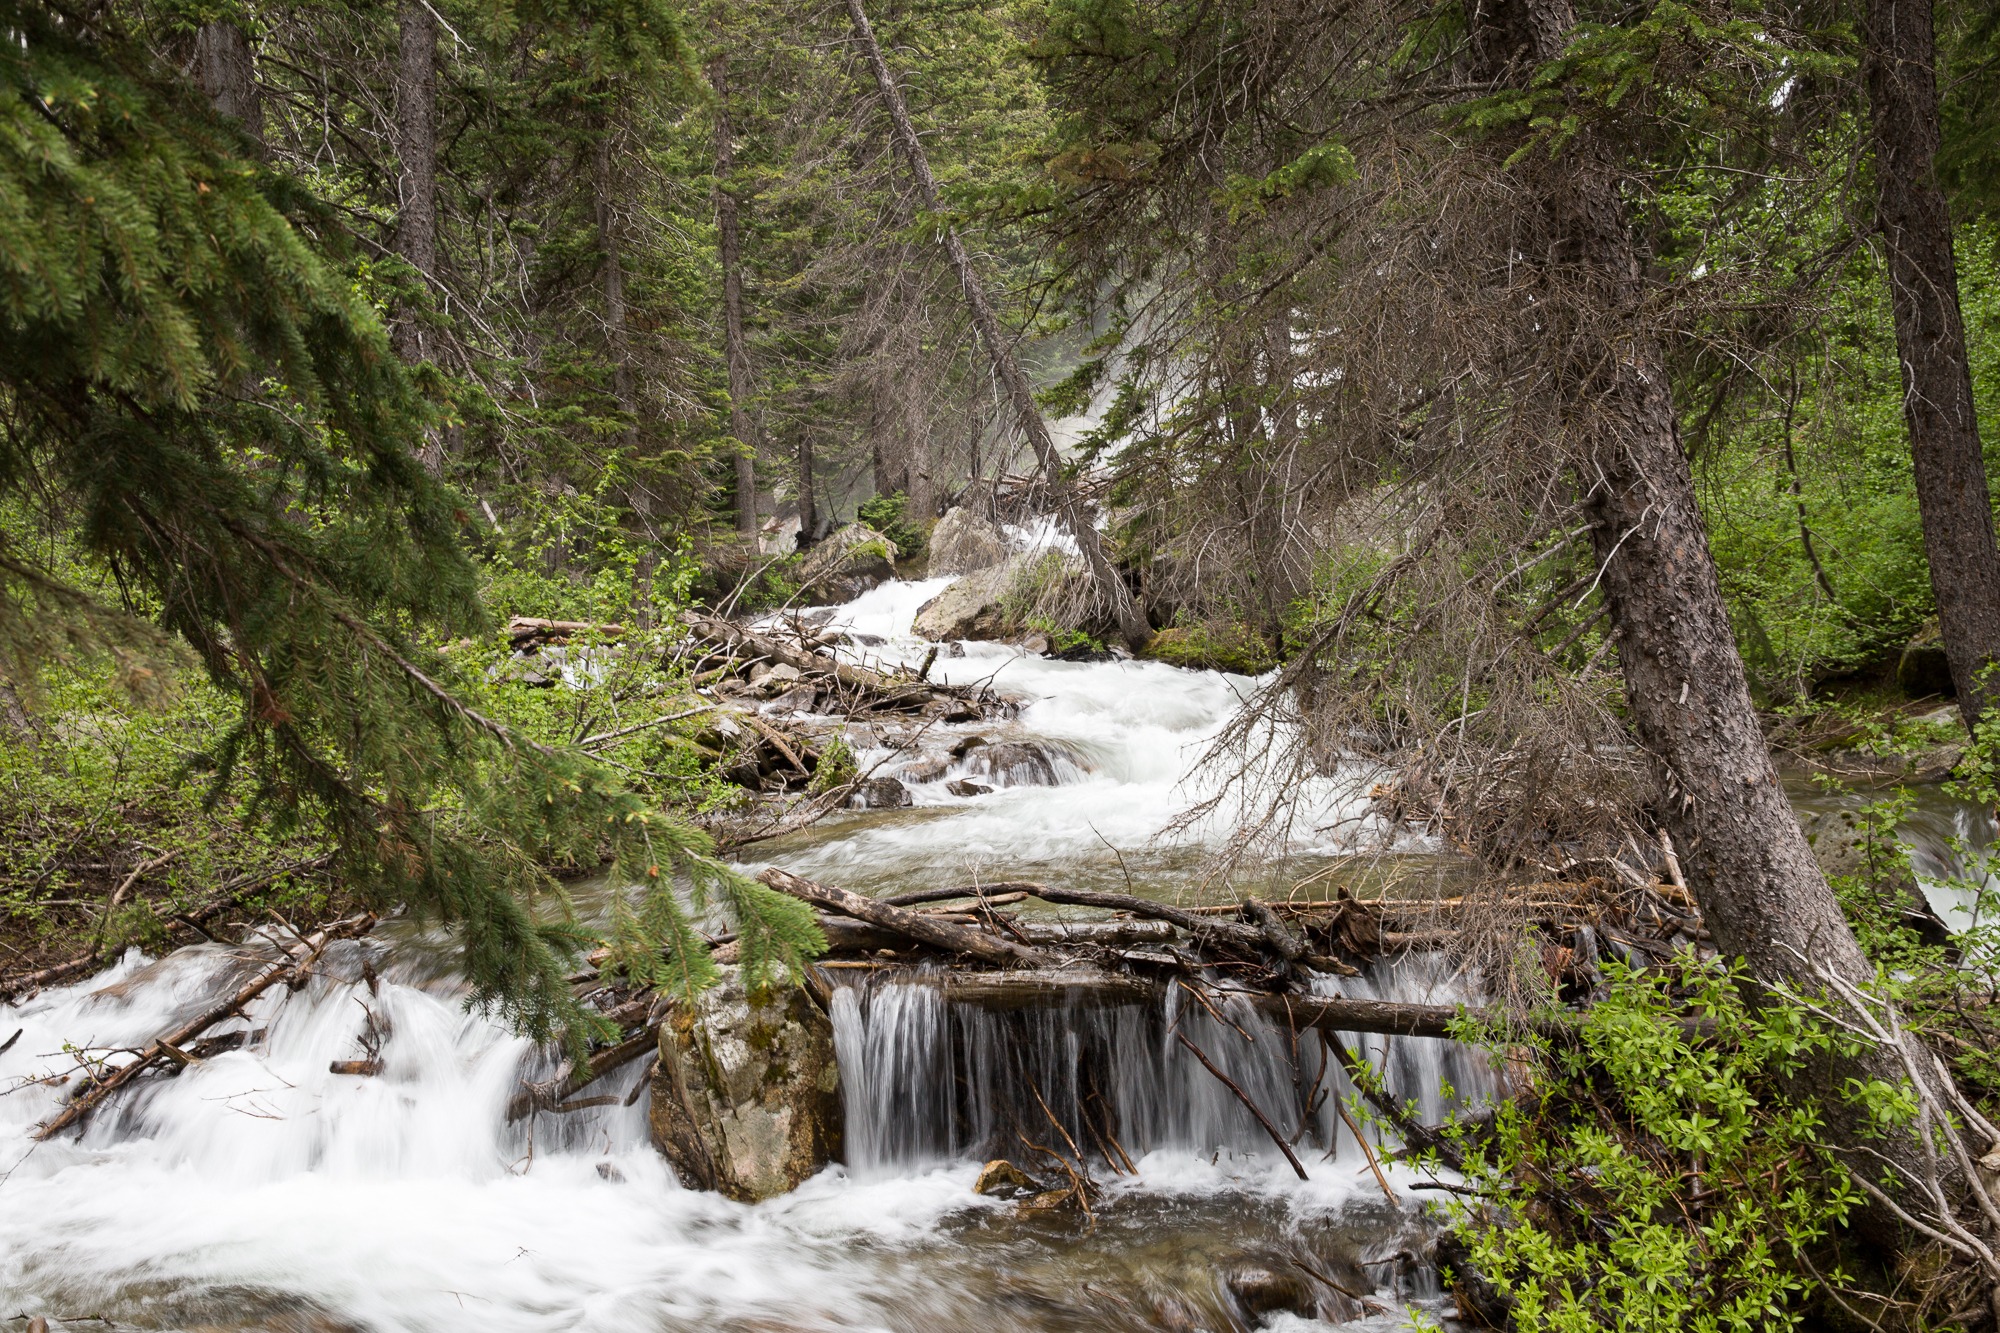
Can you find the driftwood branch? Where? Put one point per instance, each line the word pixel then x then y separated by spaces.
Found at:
pixel 169 1046
pixel 1243 1097
pixel 555 1094
pixel 912 925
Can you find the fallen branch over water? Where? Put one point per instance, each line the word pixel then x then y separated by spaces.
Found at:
pixel 298 959
pixel 554 1095
pixel 917 926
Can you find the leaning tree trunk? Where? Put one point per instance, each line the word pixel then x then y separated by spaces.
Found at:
pixel 1013 380
pixel 416 158
pixel 227 74
pixel 736 351
pixel 1952 496
pixel 1745 857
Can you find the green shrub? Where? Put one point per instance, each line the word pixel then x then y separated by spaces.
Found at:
pixel 1228 646
pixel 890 516
pixel 1654 1179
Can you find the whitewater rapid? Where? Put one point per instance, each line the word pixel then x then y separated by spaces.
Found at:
pixel 259 1189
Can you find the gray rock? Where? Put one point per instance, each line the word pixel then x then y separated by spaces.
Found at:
pixel 963 542
pixel 778 679
pixel 879 794
pixel 963 788
pixel 746 1097
pixel 978 605
pixel 1923 671
pixel 848 563
pixel 1263 1291
pixel 1018 764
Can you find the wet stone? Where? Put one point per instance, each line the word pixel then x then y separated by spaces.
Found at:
pixel 961 787
pixel 879 794
pixel 1001 1179
pixel 746 1096
pixel 1262 1291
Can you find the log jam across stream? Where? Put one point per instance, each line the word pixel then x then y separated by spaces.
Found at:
pixel 342 1156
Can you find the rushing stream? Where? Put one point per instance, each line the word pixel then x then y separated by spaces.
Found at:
pixel 259 1189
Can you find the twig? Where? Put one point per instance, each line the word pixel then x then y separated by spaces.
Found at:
pixel 1249 1105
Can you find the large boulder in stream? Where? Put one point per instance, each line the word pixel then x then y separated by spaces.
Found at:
pixel 995 603
pixel 746 1096
pixel 964 542
pixel 848 563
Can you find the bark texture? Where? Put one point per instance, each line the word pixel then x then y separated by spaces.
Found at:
pixel 227 74
pixel 1743 853
pixel 1745 857
pixel 1014 383
pixel 416 157
pixel 736 350
pixel 1952 494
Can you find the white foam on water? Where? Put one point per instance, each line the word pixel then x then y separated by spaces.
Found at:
pixel 257 1182
pixel 1142 734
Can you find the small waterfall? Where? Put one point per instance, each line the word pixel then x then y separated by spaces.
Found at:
pixel 928 1079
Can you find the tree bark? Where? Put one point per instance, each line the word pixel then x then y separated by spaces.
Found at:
pixel 1013 380
pixel 1745 857
pixel 226 71
pixel 416 158
pixel 1952 495
pixel 736 351
pixel 808 497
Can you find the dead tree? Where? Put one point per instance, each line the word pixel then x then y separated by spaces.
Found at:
pixel 416 157
pixel 1019 392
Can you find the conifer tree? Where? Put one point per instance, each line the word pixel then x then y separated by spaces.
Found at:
pixel 200 412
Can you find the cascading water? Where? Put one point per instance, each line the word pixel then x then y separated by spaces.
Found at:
pixel 927 1080
pixel 258 1188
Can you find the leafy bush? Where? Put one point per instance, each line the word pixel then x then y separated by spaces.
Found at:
pixel 1656 1179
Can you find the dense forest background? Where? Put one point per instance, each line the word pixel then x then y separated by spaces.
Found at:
pixel 336 337
pixel 665 303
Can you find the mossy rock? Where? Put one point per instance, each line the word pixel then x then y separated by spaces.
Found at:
pixel 1231 646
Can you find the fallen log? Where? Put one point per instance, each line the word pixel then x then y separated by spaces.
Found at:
pixel 1028 988
pixel 912 925
pixel 1113 934
pixel 298 957
pixel 733 636
pixel 1201 927
pixel 985 896
pixel 1332 1013
pixel 529 629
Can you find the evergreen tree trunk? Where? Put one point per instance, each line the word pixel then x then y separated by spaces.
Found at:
pixel 616 338
pixel 736 351
pixel 1013 380
pixel 1952 495
pixel 416 158
pixel 226 71
pixel 808 497
pixel 1746 860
